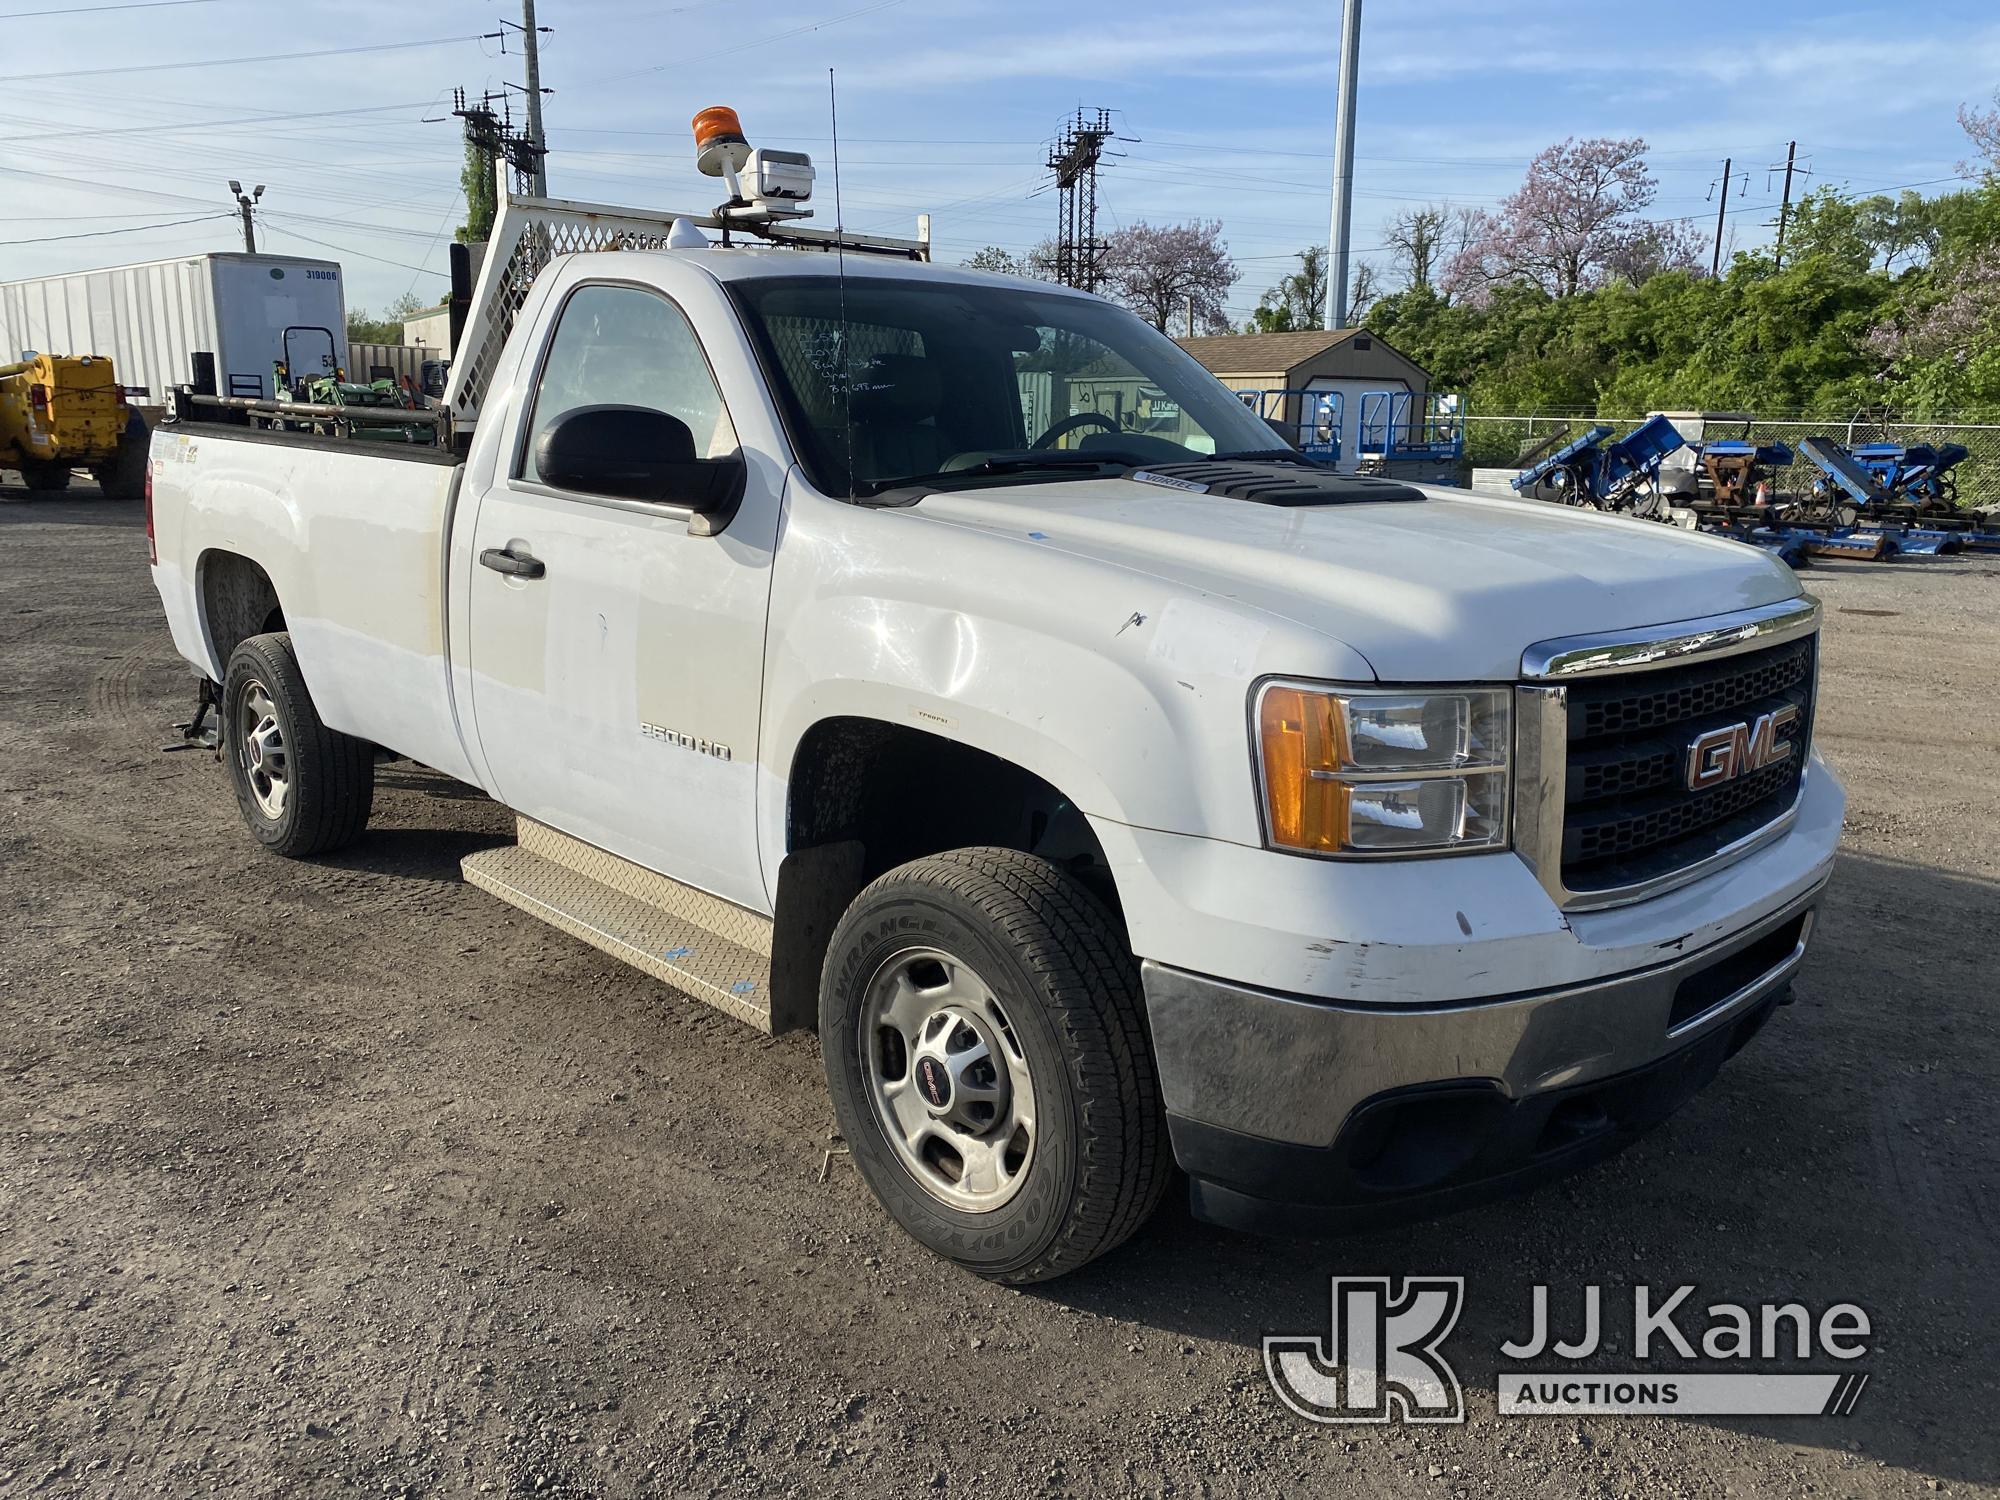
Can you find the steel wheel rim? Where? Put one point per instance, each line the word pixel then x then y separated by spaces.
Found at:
pixel 260 750
pixel 947 1079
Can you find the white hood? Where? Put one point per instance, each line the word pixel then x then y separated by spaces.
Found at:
pixel 1453 587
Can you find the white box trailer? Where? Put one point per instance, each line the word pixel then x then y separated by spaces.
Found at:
pixel 247 310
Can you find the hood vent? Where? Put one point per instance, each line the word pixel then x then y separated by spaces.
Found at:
pixel 1275 483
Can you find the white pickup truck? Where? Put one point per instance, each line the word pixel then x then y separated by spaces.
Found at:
pixel 947 662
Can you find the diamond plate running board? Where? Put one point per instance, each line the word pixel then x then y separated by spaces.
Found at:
pixel 711 948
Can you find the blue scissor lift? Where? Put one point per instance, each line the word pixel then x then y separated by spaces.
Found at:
pixel 1311 421
pixel 1406 431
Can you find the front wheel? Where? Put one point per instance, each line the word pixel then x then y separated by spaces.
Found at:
pixel 303 788
pixel 986 1051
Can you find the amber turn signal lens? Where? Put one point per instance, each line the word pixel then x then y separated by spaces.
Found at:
pixel 1300 733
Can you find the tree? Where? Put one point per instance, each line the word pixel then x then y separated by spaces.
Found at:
pixel 364 329
pixel 1887 301
pixel 1983 126
pixel 1961 317
pixel 1423 241
pixel 1653 248
pixel 1038 263
pixel 475 180
pixel 1859 232
pixel 1942 343
pixel 1362 290
pixel 1414 237
pixel 1299 298
pixel 1155 270
pixel 993 258
pixel 387 329
pixel 1570 226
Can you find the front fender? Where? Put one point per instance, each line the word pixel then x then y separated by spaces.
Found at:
pixel 1125 691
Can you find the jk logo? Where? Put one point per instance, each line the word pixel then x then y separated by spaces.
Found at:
pixel 1379 1360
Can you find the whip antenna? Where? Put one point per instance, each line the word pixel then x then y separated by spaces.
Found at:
pixel 846 365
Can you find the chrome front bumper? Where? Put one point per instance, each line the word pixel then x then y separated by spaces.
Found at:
pixel 1265 1088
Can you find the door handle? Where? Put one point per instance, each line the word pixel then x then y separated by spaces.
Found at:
pixel 513 564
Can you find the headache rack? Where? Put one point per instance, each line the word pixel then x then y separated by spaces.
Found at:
pixel 530 232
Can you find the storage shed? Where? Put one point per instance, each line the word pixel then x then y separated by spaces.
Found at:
pixel 1348 360
pixel 432 330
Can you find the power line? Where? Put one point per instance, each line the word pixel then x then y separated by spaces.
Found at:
pixel 75 218
pixel 344 250
pixel 231 62
pixel 208 127
pixel 99 187
pixel 91 234
pixel 84 10
pixel 287 181
pixel 442 224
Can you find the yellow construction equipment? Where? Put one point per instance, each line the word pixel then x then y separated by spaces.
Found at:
pixel 60 413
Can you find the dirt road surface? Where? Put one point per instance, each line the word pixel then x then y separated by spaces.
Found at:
pixel 342 1178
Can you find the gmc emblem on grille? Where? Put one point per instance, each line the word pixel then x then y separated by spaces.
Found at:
pixel 1725 754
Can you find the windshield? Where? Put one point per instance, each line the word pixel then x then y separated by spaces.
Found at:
pixel 992 384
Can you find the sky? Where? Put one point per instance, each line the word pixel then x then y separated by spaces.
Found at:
pixel 125 118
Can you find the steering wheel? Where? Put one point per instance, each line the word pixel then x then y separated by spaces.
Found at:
pixel 1070 424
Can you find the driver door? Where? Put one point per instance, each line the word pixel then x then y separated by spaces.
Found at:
pixel 615 691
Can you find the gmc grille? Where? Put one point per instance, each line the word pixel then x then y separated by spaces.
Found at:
pixel 1628 815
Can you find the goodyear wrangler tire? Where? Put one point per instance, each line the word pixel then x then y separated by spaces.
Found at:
pixel 304 789
pixel 986 1051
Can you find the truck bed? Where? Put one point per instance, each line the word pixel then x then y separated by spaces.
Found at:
pixel 353 538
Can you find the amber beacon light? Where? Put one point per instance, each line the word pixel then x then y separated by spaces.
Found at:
pixel 720 147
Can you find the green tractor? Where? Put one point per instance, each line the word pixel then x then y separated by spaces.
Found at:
pixel 370 412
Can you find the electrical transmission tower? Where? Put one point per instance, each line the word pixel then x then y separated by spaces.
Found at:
pixel 1074 159
pixel 493 136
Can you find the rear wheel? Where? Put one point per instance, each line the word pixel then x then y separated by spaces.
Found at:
pixel 45 478
pixel 986 1051
pixel 303 788
pixel 124 478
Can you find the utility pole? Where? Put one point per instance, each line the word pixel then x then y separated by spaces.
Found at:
pixel 1343 165
pixel 245 205
pixel 1190 313
pixel 1785 203
pixel 1715 262
pixel 531 48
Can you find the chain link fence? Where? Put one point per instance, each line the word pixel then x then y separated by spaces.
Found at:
pixel 1497 442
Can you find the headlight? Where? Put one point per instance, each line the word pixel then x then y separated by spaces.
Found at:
pixel 1383 773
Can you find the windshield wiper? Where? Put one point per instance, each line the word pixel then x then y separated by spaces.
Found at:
pixel 1016 463
pixel 1055 458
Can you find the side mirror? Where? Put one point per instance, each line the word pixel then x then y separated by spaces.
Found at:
pixel 1285 430
pixel 636 453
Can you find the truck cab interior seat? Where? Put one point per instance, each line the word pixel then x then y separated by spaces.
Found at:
pixel 896 402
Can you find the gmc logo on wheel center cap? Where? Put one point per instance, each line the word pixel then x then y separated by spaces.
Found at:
pixel 1725 754
pixel 934 1082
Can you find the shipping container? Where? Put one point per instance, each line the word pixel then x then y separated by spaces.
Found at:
pixel 247 310
pixel 367 362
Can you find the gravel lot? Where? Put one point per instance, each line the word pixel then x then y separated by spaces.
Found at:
pixel 344 1178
